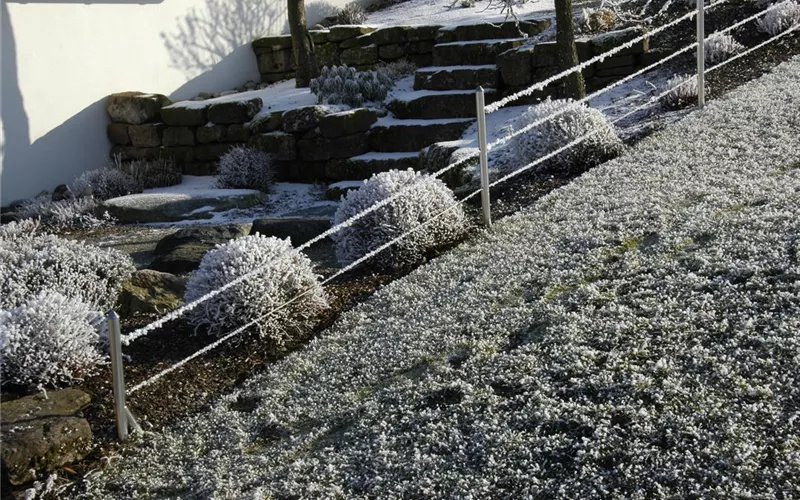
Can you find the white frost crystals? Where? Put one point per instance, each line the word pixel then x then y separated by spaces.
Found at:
pixel 783 17
pixel 683 92
pixel 245 168
pixel 49 340
pixel 556 133
pixel 286 273
pixel 720 47
pixel 429 201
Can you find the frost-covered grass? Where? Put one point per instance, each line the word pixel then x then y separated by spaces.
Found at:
pixel 632 335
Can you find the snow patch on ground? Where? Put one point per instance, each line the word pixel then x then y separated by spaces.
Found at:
pixel 431 12
pixel 279 97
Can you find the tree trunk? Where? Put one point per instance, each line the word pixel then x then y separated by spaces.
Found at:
pixel 302 46
pixel 567 53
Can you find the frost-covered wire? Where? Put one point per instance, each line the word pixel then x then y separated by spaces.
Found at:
pixel 754 48
pixel 491 108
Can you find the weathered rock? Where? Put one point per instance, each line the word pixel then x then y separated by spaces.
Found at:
pixel 516 66
pixel 182 251
pixel 181 154
pixel 131 153
pixel 281 145
pixel 173 207
pixel 264 123
pixel 350 43
pixel 472 53
pixel 359 55
pixel 178 136
pixel 391 35
pixel 336 190
pixel 404 137
pixel 616 62
pixel 322 149
pixel 441 105
pixel 303 119
pixel 212 152
pixel 318 36
pixel 147 135
pixel 487 31
pixel 342 33
pixel 422 33
pixel 274 43
pixel 177 116
pixel 118 134
pixel 151 292
pixel 439 155
pixel 199 168
pixel 394 51
pixel 62 192
pixel 234 111
pixel 211 133
pixel 423 47
pixel 269 78
pixel 39 435
pixel 607 41
pixel 237 132
pixel 457 78
pixel 299 230
pixel 327 55
pixel 135 108
pixel 347 123
pixel 348 169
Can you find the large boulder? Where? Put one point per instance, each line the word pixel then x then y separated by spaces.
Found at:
pixel 42 434
pixel 147 135
pixel 135 108
pixel 184 116
pixel 281 145
pixel 303 119
pixel 347 122
pixel 234 111
pixel 359 56
pixel 299 230
pixel 177 206
pixel 181 252
pixel 151 292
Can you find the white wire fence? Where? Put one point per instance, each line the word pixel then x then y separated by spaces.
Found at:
pixel 124 417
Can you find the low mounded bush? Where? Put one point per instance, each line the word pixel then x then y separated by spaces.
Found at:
pixel 427 198
pixel 345 85
pixel 106 183
pixel 720 47
pixel 597 20
pixel 780 19
pixel 245 168
pixel 352 13
pixel 577 121
pixel 49 340
pixel 283 274
pixel 154 173
pixel 74 213
pixel 683 94
pixel 31 263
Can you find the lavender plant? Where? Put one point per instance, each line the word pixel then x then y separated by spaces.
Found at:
pixel 345 85
pixel 245 168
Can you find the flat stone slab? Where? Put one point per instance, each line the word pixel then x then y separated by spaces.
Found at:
pixel 182 251
pixel 40 435
pixel 174 207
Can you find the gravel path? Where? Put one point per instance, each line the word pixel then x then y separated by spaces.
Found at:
pixel 633 334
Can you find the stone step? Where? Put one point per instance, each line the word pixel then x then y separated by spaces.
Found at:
pixel 363 166
pixel 472 53
pixel 457 77
pixel 487 31
pixel 392 135
pixel 336 190
pixel 432 104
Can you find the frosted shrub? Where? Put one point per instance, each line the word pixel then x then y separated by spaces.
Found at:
pixel 245 168
pixel 30 263
pixel 76 213
pixel 398 69
pixel 49 340
pixel 720 47
pixel 786 15
pixel 345 85
pixel 577 121
pixel 684 94
pixel 352 13
pixel 18 230
pixel 153 173
pixel 285 274
pixel 106 183
pixel 424 201
pixel 597 20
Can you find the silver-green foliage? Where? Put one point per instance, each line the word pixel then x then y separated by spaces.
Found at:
pixel 150 173
pixel 345 85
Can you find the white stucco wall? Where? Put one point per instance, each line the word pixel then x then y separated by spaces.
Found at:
pixel 60 59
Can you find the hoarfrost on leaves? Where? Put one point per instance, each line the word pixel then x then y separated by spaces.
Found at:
pixel 245 168
pixel 351 13
pixel 106 183
pixel 49 340
pixel 786 15
pixel 720 47
pixel 428 198
pixel 74 213
pixel 150 173
pixel 557 132
pixel 283 274
pixel 683 94
pixel 345 85
pixel 31 263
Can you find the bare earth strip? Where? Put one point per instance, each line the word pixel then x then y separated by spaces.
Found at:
pixel 633 334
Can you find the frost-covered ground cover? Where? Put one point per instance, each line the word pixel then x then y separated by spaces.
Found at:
pixel 633 334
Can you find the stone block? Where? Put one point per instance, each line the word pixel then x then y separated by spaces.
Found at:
pixel 412 138
pixel 237 132
pixel 422 33
pixel 178 136
pixel 299 230
pixel 135 108
pixel 490 31
pixel 359 55
pixel 303 119
pixel 476 53
pixel 273 43
pixel 280 61
pixel 423 47
pixel 146 136
pixel 350 43
pixel 199 168
pixel 151 292
pixel 394 51
pixel 421 60
pixel 211 133
pixel 347 123
pixel 615 62
pixel 276 77
pixel 118 134
pixel 264 123
pixel 545 54
pixel 181 155
pixel 607 41
pixel 391 36
pixel 516 66
pixel 301 171
pixel 342 33
pixel 212 152
pixel 234 111
pixel 322 149
pixel 178 116
pixel 182 251
pixel 318 37
pixel 127 153
pixel 327 55
pixel 281 145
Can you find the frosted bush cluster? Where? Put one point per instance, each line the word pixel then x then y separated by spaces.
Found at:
pixel 556 133
pixel 49 340
pixel 786 15
pixel 428 198
pixel 284 273
pixel 352 13
pixel 74 213
pixel 31 263
pixel 106 183
pixel 152 173
pixel 720 47
pixel 245 168
pixel 596 20
pixel 345 85
pixel 683 94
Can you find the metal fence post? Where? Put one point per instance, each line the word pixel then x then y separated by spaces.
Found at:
pixel 701 54
pixel 117 375
pixel 484 156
